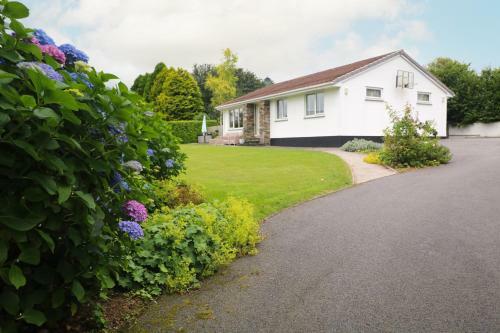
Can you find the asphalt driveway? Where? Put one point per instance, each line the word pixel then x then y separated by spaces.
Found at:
pixel 415 252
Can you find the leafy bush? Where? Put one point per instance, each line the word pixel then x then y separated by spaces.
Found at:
pixel 361 145
pixel 411 143
pixel 188 130
pixel 172 194
pixel 70 152
pixel 181 246
pixel 373 158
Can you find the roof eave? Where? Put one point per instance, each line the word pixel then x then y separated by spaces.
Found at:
pixel 276 95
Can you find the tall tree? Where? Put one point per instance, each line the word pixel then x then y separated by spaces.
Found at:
pixel 178 96
pixel 464 82
pixel 247 82
pixel 223 84
pixel 200 74
pixel 143 83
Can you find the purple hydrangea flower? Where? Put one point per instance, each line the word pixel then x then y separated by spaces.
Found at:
pixel 133 165
pixel 169 163
pixel 73 54
pixel 83 78
pixel 131 228
pixel 47 70
pixel 150 152
pixel 117 183
pixel 135 210
pixel 43 38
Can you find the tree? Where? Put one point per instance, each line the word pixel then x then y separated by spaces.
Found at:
pixel 489 83
pixel 176 94
pixel 268 81
pixel 247 82
pixel 464 82
pixel 200 74
pixel 144 82
pixel 223 84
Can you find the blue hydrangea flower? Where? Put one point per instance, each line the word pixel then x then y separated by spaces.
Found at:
pixel 150 152
pixel 73 54
pixel 169 163
pixel 117 183
pixel 2 62
pixel 83 78
pixel 43 38
pixel 118 132
pixel 47 70
pixel 131 228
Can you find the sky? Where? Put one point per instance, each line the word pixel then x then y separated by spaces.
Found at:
pixel 274 38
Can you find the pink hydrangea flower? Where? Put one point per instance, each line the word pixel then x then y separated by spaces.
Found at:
pixel 135 210
pixel 51 50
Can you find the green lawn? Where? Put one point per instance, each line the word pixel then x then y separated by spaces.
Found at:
pixel 270 178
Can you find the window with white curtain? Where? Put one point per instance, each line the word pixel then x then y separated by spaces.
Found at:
pixel 281 112
pixel 315 104
pixel 373 93
pixel 236 119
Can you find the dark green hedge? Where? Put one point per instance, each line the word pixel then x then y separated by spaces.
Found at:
pixel 188 130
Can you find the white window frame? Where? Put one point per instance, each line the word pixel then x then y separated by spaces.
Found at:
pixel 316 112
pixel 281 114
pixel 423 93
pixel 374 98
pixel 236 118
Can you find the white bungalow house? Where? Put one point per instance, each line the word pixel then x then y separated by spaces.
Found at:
pixel 333 106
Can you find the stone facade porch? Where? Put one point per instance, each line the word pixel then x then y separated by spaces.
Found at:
pixel 256 123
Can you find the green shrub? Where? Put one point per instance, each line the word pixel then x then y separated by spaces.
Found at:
pixel 411 143
pixel 373 158
pixel 172 193
pixel 361 145
pixel 64 138
pixel 189 130
pixel 182 245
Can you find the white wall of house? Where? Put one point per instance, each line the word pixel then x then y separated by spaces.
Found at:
pixel 477 129
pixel 298 124
pixel 368 117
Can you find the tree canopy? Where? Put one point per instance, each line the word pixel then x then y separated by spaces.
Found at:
pixel 223 84
pixel 476 95
pixel 176 94
pixel 143 83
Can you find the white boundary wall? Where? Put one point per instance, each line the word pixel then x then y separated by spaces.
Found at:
pixel 477 129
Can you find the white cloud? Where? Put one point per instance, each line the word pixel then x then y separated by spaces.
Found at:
pixel 272 38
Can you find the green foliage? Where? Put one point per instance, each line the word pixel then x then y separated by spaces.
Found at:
pixel 185 244
pixel 188 131
pixel 247 82
pixel 361 145
pixel 60 146
pixel 200 74
pixel 223 85
pixel 144 83
pixel 176 95
pixel 172 194
pixel 477 98
pixel 411 143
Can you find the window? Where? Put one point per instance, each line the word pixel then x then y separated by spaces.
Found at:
pixel 236 118
pixel 374 93
pixel 424 98
pixel 404 79
pixel 315 104
pixel 281 112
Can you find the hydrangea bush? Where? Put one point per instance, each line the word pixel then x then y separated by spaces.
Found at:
pixel 66 142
